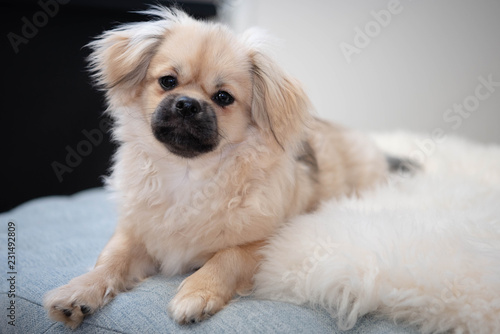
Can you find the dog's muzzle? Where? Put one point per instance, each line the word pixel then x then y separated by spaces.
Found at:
pixel 186 126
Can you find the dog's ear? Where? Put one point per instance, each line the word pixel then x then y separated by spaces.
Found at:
pixel 280 107
pixel 120 57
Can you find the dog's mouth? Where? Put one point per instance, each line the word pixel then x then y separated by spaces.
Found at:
pixel 187 127
pixel 180 141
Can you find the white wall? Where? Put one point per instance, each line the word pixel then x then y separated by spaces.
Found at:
pixel 410 74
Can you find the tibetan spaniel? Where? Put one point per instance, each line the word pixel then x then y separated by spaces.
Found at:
pixel 217 149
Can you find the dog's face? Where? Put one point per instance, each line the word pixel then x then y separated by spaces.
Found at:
pixel 198 86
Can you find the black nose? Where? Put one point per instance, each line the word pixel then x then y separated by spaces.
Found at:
pixel 186 106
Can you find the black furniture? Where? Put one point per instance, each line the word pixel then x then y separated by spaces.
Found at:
pixel 54 136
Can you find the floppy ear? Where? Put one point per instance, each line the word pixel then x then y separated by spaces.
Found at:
pixel 120 57
pixel 280 107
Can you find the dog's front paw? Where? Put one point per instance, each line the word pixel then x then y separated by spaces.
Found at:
pixel 70 303
pixel 193 304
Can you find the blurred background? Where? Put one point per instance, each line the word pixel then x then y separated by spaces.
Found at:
pixel 374 65
pixel 381 65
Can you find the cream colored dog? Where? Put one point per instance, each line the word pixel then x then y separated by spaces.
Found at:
pixel 217 149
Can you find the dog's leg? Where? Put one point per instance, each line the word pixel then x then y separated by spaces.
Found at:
pixel 210 288
pixel 122 263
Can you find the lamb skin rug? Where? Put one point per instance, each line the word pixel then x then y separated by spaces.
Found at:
pixel 423 250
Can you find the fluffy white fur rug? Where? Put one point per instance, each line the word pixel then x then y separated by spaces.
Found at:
pixel 423 250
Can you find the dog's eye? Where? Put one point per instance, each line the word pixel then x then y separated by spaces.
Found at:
pixel 223 98
pixel 168 82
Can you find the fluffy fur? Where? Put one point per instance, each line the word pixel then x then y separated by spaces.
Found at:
pixel 425 250
pixel 202 182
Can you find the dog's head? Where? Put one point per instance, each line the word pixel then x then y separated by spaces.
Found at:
pixel 196 86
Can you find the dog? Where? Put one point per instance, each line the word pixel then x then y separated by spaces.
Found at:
pixel 218 148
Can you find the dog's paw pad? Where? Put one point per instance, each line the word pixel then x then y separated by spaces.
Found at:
pixel 67 312
pixel 71 316
pixel 85 309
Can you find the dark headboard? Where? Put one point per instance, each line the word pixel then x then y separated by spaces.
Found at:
pixel 54 137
